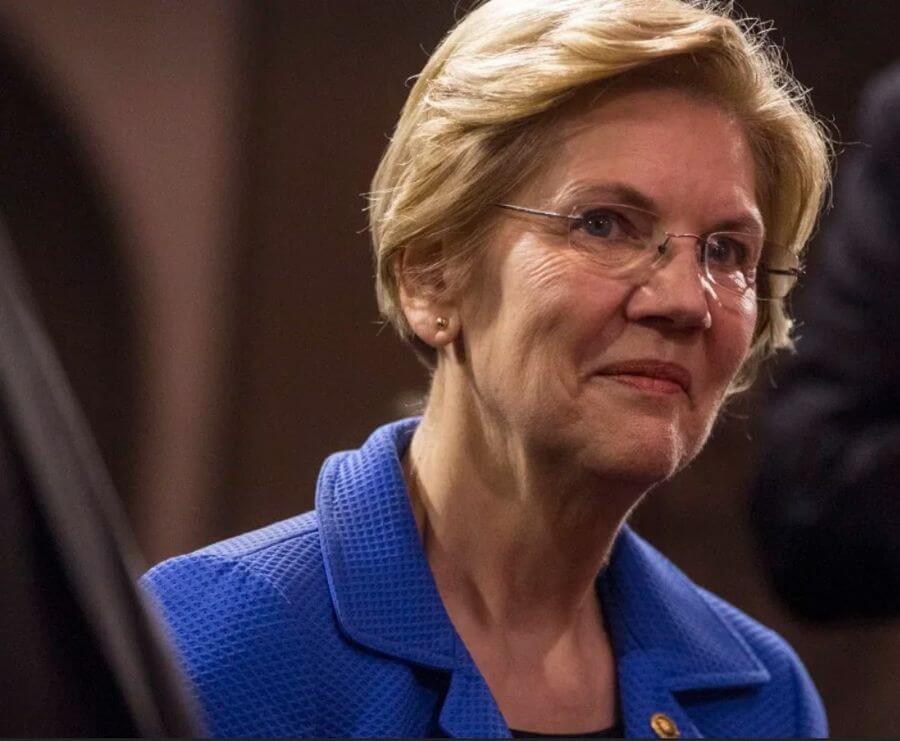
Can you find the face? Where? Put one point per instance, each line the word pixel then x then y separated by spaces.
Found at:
pixel 620 375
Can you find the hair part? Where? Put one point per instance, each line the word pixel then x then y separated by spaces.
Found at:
pixel 481 115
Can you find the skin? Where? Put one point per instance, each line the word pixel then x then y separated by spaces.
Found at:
pixel 527 462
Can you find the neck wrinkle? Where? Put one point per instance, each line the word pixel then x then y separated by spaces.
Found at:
pixel 515 543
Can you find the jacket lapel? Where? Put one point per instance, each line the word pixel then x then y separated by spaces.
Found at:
pixel 469 710
pixel 666 636
pixel 643 694
pixel 667 639
pixel 380 582
pixel 382 588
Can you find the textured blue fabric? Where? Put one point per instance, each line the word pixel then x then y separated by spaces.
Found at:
pixel 330 624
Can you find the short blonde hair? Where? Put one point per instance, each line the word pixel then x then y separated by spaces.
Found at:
pixel 473 126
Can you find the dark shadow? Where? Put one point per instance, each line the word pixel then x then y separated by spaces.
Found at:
pixel 61 226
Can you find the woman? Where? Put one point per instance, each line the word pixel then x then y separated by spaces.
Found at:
pixel 576 226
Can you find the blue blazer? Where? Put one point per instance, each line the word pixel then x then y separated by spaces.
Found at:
pixel 330 624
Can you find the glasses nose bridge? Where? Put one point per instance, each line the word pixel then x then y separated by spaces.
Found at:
pixel 701 272
pixel 663 249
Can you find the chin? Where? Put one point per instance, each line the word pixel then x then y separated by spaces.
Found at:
pixel 644 470
pixel 644 452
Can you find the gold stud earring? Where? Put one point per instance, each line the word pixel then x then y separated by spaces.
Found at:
pixel 442 322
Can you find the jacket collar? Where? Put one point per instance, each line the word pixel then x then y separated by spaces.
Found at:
pixel 654 609
pixel 665 634
pixel 667 638
pixel 381 585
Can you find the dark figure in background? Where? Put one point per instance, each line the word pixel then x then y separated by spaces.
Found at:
pixel 826 504
pixel 79 655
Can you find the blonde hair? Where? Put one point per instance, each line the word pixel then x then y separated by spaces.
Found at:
pixel 476 120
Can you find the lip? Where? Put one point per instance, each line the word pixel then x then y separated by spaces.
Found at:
pixel 650 375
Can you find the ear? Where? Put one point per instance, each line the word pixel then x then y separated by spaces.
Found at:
pixel 425 298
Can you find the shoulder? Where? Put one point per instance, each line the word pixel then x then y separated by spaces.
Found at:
pixel 276 562
pixel 248 616
pixel 732 674
pixel 790 695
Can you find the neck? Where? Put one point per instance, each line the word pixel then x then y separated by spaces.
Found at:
pixel 515 535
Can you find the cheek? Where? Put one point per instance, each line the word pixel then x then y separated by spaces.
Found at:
pixel 536 274
pixel 538 311
pixel 748 314
pixel 567 310
pixel 511 311
pixel 533 287
pixel 733 339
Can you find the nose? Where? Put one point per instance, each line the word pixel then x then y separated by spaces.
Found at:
pixel 676 293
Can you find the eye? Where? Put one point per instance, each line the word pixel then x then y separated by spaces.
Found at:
pixel 606 224
pixel 729 251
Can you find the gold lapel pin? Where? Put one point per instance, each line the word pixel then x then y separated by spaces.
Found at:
pixel 663 726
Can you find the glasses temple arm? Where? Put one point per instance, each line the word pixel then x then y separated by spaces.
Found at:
pixel 536 212
pixel 794 272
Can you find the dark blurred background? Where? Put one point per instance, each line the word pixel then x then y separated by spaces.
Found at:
pixel 184 184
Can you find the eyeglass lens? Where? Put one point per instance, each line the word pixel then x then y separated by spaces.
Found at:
pixel 626 239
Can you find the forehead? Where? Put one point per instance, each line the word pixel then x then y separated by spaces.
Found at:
pixel 686 155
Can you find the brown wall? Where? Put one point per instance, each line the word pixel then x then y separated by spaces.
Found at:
pixel 151 89
pixel 315 372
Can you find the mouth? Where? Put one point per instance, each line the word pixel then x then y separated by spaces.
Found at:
pixel 650 376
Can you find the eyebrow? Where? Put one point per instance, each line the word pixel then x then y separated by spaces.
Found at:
pixel 580 192
pixel 614 192
pixel 741 224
